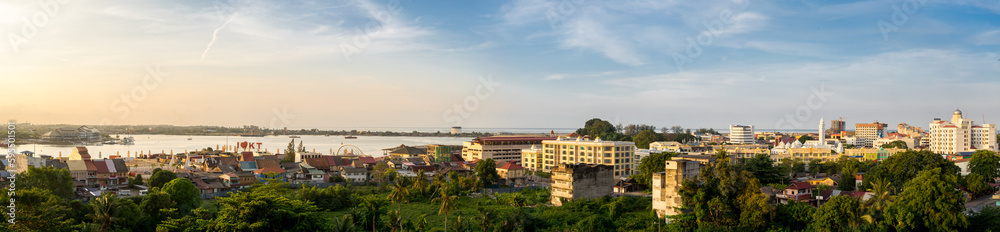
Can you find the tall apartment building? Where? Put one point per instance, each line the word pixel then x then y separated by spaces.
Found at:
pixel 960 135
pixel 531 158
pixel 667 185
pixel 739 134
pixel 500 148
pixel 870 131
pixel 617 154
pixel 836 126
pixel 576 181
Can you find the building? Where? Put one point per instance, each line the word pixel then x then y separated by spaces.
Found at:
pixel 79 153
pixel 669 146
pixel 619 155
pixel 499 148
pixel 960 135
pixel 403 151
pixel 836 126
pixel 872 154
pixel 456 130
pixel 531 158
pixel 83 133
pixel 871 131
pixel 577 181
pixel 513 173
pixel 910 131
pixel 739 134
pixel 667 185
pixel 798 191
pixel 299 156
pixel 26 159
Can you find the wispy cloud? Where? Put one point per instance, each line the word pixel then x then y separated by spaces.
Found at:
pixel 215 35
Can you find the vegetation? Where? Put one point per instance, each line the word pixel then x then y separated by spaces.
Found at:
pixel 486 170
pixel 56 180
pixel 161 177
pixel 644 138
pixel 896 144
pixel 651 164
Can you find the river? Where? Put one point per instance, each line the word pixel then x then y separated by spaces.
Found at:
pixel 371 145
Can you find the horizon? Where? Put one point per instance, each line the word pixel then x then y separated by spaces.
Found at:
pixel 517 64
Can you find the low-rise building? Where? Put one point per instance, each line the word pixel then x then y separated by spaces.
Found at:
pixel 511 172
pixel 620 155
pixel 354 174
pixel 576 181
pixel 798 191
pixel 531 158
pixel 667 185
pixel 500 148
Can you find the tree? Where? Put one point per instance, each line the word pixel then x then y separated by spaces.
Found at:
pixel 847 182
pixel 764 169
pixel 137 180
pixel 398 196
pixel 290 151
pixel 486 170
pixel 676 129
pixel 882 197
pixel 805 138
pixel 930 202
pixel 56 180
pixel 987 219
pixel 651 164
pixel 161 178
pixel 904 166
pixel 447 204
pixel 158 205
pixel 794 216
pixel 726 197
pixel 106 211
pixel 37 210
pixel 815 166
pixel 977 185
pixel 374 207
pixel 644 138
pixel 896 144
pixel 838 214
pixel 986 164
pixel 266 211
pixel 302 148
pixel 184 193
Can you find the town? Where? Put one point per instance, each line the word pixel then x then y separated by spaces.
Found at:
pixel 790 181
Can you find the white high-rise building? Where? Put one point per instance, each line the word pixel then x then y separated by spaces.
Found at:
pixel 739 134
pixel 959 135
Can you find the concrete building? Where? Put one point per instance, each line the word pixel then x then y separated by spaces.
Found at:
pixel 500 148
pixel 83 133
pixel 739 134
pixel 667 185
pixel 669 146
pixel 872 154
pixel 960 135
pixel 871 131
pixel 577 181
pixel 836 126
pixel 26 159
pixel 511 172
pixel 456 130
pixel 531 158
pixel 617 154
pixel 910 131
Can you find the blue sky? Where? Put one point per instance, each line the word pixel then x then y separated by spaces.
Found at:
pixel 368 63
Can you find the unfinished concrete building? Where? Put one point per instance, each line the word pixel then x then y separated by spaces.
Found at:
pixel 576 181
pixel 667 185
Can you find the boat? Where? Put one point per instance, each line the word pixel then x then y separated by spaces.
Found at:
pixel 128 141
pixel 190 139
pixel 294 136
pixel 350 137
pixel 252 135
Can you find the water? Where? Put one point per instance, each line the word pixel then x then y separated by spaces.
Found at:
pixel 464 129
pixel 371 145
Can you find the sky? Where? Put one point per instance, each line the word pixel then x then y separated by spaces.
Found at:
pixel 498 64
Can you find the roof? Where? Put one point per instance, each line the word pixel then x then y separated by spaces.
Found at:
pixel 408 150
pixel 367 160
pixel 266 163
pixel 514 138
pixel 426 168
pixel 353 170
pixel 246 156
pixel 511 166
pixel 90 165
pixel 77 165
pixel 111 165
pixel 83 152
pixel 102 166
pixel 269 170
pixel 290 166
pixel 320 163
pixel 120 165
pixel 248 165
pixel 800 185
pixel 335 161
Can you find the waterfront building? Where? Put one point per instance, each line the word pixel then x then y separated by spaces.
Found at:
pixel 619 155
pixel 500 148
pixel 960 135
pixel 739 134
pixel 578 181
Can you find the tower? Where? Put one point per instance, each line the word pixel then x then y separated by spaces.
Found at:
pixel 822 136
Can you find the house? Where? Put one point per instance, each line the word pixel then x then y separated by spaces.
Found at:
pixel 624 185
pixel 354 174
pixel 403 151
pixel 78 171
pixel 248 166
pixel 513 174
pixel 798 191
pixel 103 174
pixel 308 174
pixel 246 156
pixel 121 170
pixel 825 195
pixel 264 172
pixel 368 162
pixel 828 181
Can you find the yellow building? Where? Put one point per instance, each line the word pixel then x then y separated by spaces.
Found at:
pixel 806 154
pixel 531 158
pixel 872 154
pixel 617 154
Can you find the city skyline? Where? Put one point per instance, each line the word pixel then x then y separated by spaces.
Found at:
pixel 524 64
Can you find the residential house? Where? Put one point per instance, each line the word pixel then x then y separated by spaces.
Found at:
pixel 265 172
pixel 798 191
pixel 354 174
pixel 513 174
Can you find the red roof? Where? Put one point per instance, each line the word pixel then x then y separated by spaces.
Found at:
pixel 246 156
pixel 367 160
pixel 318 163
pixel 511 166
pixel 269 170
pixel 268 164
pixel 83 152
pixel 515 138
pixel 102 167
pixel 800 185
pixel 90 166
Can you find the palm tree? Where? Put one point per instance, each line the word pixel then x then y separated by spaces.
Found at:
pixel 398 196
pixel 106 210
pixel 484 218
pixel 447 204
pixel 343 225
pixel 882 198
pixel 373 205
pixel 421 182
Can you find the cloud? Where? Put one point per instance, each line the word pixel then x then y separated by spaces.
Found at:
pixel 991 37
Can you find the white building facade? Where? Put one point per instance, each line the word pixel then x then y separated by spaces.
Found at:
pixel 739 134
pixel 960 135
